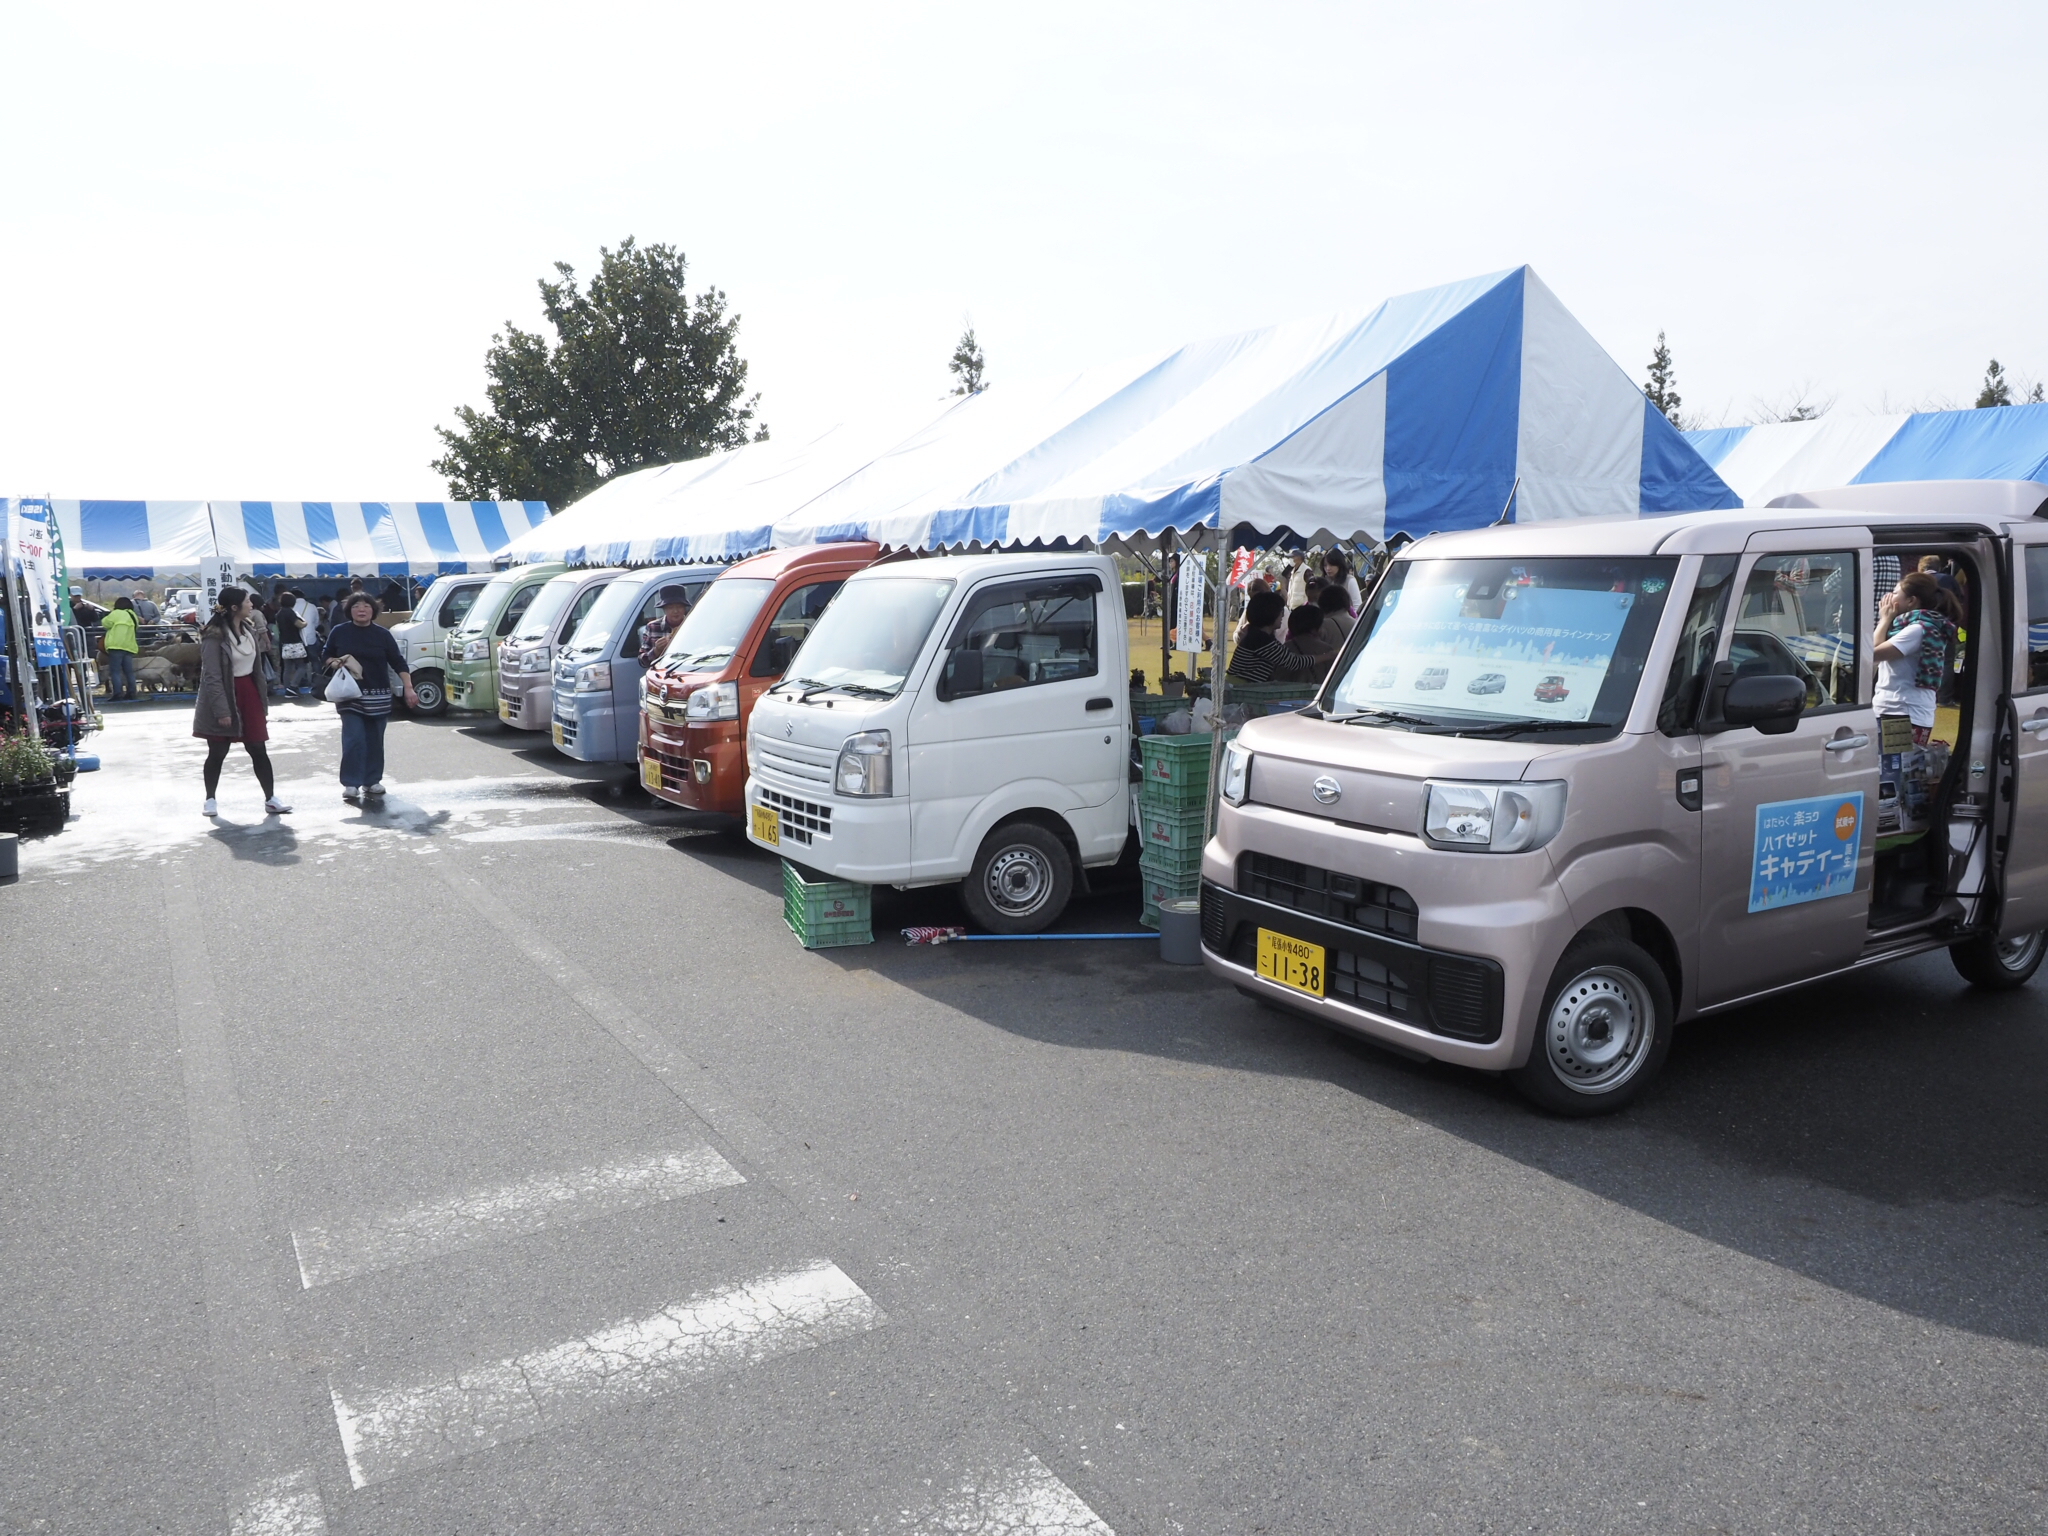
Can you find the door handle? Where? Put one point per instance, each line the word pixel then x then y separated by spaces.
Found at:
pixel 1101 703
pixel 2038 723
pixel 1846 744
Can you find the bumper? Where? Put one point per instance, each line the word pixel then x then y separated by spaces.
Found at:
pixel 701 767
pixel 524 704
pixel 863 840
pixel 586 728
pixel 471 686
pixel 1486 934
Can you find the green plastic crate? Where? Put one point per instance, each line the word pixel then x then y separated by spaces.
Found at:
pixel 825 914
pixel 1171 831
pixel 1160 887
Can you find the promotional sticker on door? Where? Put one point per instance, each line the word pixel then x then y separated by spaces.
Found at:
pixel 1805 850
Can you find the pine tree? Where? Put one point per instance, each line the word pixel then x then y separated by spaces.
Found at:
pixel 1662 388
pixel 2037 394
pixel 1996 391
pixel 967 365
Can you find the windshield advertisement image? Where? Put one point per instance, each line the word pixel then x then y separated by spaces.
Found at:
pixel 1507 648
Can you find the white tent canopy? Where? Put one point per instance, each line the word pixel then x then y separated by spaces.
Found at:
pixel 1762 463
pixel 144 540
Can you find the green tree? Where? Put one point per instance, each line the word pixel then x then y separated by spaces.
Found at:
pixel 1995 391
pixel 1663 386
pixel 967 365
pixel 637 373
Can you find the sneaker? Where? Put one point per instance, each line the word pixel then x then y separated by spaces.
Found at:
pixel 210 808
pixel 276 807
pixel 375 791
pixel 351 794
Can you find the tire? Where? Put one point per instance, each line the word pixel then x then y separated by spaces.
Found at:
pixel 1604 1031
pixel 2000 965
pixel 1021 880
pixel 433 692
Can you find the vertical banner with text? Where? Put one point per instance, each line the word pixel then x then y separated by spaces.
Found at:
pixel 1192 608
pixel 34 565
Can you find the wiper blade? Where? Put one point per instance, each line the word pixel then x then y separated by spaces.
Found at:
pixel 1510 727
pixel 1390 716
pixel 796 682
pixel 860 690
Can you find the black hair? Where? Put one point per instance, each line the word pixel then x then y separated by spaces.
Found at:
pixel 1337 558
pixel 1262 610
pixel 224 606
pixel 122 602
pixel 1333 597
pixel 1305 620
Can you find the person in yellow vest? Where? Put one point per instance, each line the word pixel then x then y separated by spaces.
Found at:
pixel 117 630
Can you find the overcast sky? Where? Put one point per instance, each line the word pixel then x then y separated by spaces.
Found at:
pixel 260 252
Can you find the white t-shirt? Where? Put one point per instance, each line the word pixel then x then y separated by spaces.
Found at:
pixel 1896 691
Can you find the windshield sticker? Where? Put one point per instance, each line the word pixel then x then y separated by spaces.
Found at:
pixel 1805 850
pixel 1528 651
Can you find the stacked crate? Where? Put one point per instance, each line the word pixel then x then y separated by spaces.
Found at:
pixel 1173 804
pixel 824 914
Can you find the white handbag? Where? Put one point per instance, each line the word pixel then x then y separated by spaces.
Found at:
pixel 294 651
pixel 342 687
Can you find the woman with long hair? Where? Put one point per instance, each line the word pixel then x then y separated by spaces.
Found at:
pixel 1337 571
pixel 1917 626
pixel 231 707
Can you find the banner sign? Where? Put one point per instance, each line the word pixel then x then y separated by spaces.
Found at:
pixel 213 575
pixel 1241 567
pixel 1805 850
pixel 1192 608
pixel 34 565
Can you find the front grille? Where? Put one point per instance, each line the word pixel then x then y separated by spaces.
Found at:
pixel 802 820
pixel 567 726
pixel 1454 995
pixel 810 765
pixel 1342 898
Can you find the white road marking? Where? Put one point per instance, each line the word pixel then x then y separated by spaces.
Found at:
pixel 284 1506
pixel 388 1432
pixel 1022 1499
pixel 355 1247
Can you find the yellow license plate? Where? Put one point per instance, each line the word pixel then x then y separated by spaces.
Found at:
pixel 768 826
pixel 558 733
pixel 504 710
pixel 1293 963
pixel 650 773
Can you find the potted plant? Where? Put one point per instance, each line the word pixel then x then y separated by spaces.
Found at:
pixel 31 793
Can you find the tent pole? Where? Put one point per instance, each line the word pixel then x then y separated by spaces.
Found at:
pixel 1166 607
pixel 1216 689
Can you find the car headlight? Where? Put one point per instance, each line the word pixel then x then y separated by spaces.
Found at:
pixel 1237 773
pixel 753 757
pixel 863 769
pixel 714 701
pixel 1493 818
pixel 595 678
pixel 476 650
pixel 537 660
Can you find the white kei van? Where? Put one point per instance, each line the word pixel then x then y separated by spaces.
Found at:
pixel 1673 795
pixel 963 719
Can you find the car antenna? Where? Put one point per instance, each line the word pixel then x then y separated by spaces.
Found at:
pixel 1507 513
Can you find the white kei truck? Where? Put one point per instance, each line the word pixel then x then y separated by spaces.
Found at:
pixel 961 718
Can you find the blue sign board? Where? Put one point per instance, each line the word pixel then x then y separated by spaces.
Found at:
pixel 1805 850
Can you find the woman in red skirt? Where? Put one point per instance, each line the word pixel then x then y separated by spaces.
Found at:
pixel 231 706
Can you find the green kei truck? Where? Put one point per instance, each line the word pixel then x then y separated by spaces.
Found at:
pixel 473 649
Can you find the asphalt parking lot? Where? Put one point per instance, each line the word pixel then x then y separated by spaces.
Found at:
pixel 496 1161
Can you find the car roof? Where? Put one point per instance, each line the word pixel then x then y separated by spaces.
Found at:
pixel 774 563
pixel 955 567
pixel 1685 533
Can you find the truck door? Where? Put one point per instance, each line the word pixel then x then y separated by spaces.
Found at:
pixel 1020 694
pixel 1788 820
pixel 2025 855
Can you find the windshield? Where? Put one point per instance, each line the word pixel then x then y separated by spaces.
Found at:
pixel 1499 646
pixel 616 605
pixel 490 601
pixel 548 607
pixel 717 624
pixel 870 637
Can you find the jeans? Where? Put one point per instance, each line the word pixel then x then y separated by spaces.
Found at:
pixel 294 674
pixel 120 674
pixel 362 749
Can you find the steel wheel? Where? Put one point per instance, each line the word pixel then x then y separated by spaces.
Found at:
pixel 1999 965
pixel 1018 881
pixel 433 694
pixel 1597 1028
pixel 2020 955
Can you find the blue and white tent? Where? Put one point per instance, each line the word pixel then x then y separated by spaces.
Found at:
pixel 1762 463
pixel 720 507
pixel 144 540
pixel 1414 418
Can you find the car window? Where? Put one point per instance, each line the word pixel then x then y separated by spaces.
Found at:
pixel 585 601
pixel 2037 616
pixel 516 609
pixel 1019 634
pixel 794 620
pixel 1699 638
pixel 1797 618
pixel 456 605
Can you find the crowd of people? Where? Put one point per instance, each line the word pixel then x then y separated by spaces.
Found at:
pixel 1295 621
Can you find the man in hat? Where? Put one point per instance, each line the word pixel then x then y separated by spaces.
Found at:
pixel 654 638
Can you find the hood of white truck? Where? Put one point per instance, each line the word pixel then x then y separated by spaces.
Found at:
pixel 823 723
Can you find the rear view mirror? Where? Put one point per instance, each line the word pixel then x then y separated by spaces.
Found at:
pixel 1772 703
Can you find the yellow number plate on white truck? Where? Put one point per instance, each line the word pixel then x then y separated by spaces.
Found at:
pixel 768 826
pixel 650 773
pixel 1293 963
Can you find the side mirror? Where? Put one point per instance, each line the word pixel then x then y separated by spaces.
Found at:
pixel 1772 704
pixel 964 674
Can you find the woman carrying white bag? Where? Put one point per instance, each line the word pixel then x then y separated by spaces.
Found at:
pixel 362 656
